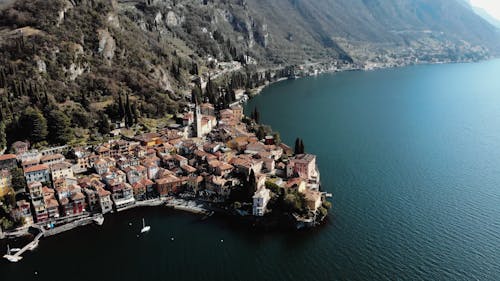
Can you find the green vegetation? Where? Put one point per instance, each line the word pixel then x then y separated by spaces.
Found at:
pixel 299 146
pixel 115 60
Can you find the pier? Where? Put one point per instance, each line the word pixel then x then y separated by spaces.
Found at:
pixel 30 246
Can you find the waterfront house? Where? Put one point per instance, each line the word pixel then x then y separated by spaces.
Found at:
pixel 105 201
pixel 39 173
pixel 313 199
pixel 194 183
pixel 167 185
pixel 37 201
pixel 302 165
pixel 51 204
pixel 139 191
pixel 296 184
pixel 5 182
pixel 91 199
pixel 260 198
pixel 8 161
pixel 122 195
pixel 61 170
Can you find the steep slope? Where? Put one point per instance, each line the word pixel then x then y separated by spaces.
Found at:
pixel 99 60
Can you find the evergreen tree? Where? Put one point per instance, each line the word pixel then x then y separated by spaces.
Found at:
pixel 129 116
pixel 3 136
pixel 256 115
pixel 251 184
pixel 59 127
pixel 121 107
pixel 297 146
pixel 103 124
pixel 18 179
pixel 302 149
pixel 32 125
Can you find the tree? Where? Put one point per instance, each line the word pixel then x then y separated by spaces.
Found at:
pixel 251 184
pixel 3 136
pixel 103 124
pixel 255 115
pixel 121 107
pixel 129 116
pixel 261 133
pixel 299 146
pixel 32 125
pixel 18 179
pixel 59 127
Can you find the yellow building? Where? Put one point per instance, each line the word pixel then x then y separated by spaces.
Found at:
pixel 5 182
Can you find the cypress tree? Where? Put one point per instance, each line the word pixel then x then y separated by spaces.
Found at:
pixel 251 184
pixel 121 107
pixel 297 146
pixel 129 116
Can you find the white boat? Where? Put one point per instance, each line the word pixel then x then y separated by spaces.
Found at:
pixel 10 257
pixel 99 220
pixel 145 228
pixel 15 250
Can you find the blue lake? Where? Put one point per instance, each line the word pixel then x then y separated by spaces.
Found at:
pixel 412 156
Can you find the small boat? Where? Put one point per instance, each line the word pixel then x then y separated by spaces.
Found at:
pixel 99 220
pixel 145 228
pixel 10 257
pixel 15 250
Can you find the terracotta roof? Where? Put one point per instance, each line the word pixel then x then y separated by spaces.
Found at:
pixel 167 179
pixel 102 192
pixel 51 157
pixel 60 166
pixel 36 168
pixel 7 157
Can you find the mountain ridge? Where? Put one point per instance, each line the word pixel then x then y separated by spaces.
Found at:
pixel 84 58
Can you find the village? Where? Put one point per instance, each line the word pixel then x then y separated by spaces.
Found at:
pixel 205 158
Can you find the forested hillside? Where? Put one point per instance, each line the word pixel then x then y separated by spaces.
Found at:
pixel 69 69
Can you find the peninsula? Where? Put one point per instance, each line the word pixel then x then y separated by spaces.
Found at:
pixel 210 160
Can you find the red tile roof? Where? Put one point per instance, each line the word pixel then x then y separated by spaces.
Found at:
pixel 36 168
pixel 7 157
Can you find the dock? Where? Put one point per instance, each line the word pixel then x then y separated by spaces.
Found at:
pixel 30 246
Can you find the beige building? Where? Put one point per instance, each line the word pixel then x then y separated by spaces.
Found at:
pixel 61 170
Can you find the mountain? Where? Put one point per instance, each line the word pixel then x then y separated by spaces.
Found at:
pixel 485 15
pixel 94 61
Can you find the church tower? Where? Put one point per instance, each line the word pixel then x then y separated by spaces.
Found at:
pixel 197 114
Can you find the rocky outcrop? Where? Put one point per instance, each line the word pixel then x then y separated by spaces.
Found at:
pixel 107 45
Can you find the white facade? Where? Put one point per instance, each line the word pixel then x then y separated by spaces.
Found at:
pixel 260 200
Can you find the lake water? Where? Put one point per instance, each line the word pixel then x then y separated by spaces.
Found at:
pixel 412 156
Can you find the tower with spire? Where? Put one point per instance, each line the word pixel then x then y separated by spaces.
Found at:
pixel 197 117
